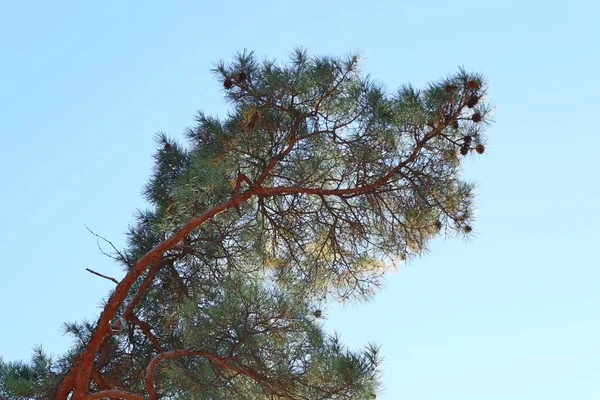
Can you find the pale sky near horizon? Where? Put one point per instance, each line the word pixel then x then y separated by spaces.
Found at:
pixel 510 314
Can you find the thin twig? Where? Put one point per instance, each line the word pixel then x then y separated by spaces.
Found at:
pixel 103 276
pixel 121 256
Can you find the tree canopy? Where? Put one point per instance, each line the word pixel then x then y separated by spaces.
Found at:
pixel 315 183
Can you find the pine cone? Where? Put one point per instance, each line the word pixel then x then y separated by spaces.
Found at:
pixel 241 77
pixel 468 228
pixel 468 140
pixel 472 101
pixel 167 146
pixel 480 149
pixel 473 85
pixel 450 88
pixel 476 117
pixel 464 150
pixel 228 83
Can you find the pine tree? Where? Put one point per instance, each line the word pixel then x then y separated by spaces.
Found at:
pixel 33 380
pixel 316 183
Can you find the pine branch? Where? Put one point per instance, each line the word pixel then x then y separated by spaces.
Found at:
pixel 377 185
pixel 221 362
pixel 118 394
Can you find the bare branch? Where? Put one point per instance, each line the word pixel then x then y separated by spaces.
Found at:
pixel 121 256
pixel 103 276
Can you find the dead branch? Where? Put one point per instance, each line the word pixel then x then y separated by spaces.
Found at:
pixel 110 278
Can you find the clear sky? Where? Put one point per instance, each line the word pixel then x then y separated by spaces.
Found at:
pixel 511 314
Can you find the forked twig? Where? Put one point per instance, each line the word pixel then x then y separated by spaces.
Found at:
pixel 121 256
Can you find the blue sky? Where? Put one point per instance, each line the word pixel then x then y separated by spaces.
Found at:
pixel 510 314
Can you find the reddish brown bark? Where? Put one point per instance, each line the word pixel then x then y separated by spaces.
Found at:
pixel 103 326
pixel 146 329
pixel 97 377
pixel 68 382
pixel 140 292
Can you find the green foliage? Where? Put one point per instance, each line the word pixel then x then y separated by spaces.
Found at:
pixel 34 380
pixel 346 181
